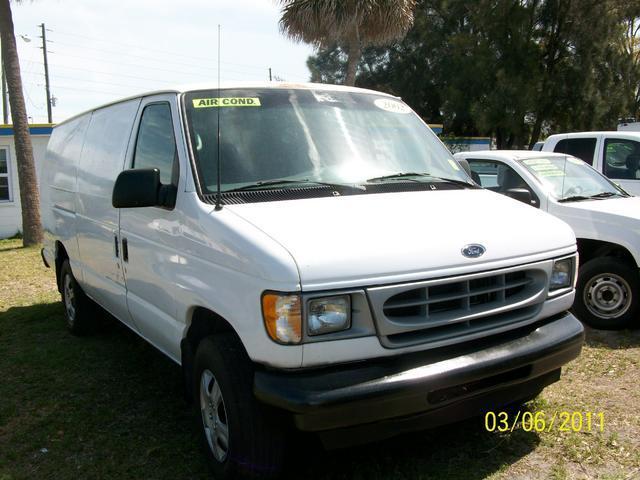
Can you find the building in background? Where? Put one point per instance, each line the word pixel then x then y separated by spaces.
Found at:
pixel 10 213
pixel 461 144
pixel 466 144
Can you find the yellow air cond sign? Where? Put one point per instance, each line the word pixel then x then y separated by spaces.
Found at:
pixel 226 102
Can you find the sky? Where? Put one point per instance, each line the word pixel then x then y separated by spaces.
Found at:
pixel 102 50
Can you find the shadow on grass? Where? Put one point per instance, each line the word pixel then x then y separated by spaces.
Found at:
pixel 4 247
pixel 614 339
pixel 463 450
pixel 111 406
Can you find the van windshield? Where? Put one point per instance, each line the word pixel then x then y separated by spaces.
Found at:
pixel 311 135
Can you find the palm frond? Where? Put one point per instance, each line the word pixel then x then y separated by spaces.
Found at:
pixel 323 22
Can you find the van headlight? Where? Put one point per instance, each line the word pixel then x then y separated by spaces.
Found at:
pixel 328 314
pixel 562 274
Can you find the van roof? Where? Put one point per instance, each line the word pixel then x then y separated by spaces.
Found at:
pixel 233 85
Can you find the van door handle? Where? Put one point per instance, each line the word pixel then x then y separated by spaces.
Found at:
pixel 125 250
pixel 115 245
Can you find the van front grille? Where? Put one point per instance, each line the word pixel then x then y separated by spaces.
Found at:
pixel 439 311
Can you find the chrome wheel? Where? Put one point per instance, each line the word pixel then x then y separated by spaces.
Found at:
pixel 214 416
pixel 607 295
pixel 69 299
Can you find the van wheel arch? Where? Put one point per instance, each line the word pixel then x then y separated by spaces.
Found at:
pixel 204 323
pixel 589 249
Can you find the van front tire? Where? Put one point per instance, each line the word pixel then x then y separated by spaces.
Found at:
pixel 241 437
pixel 607 294
pixel 79 310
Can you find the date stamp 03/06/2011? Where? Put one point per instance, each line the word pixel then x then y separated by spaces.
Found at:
pixel 542 421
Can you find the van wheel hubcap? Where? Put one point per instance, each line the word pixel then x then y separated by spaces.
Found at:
pixel 607 295
pixel 214 416
pixel 69 299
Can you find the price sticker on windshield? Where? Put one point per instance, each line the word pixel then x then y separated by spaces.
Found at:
pixel 392 106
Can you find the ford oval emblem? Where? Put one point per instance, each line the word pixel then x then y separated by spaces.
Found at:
pixel 473 250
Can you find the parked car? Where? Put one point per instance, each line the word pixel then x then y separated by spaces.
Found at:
pixel 614 154
pixel 629 125
pixel 537 146
pixel 308 255
pixel 604 217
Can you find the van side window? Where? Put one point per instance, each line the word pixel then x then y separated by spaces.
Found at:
pixel 499 177
pixel 156 144
pixel 484 173
pixel 583 148
pixel 621 158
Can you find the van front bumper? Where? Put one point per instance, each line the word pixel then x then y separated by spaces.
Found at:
pixel 375 399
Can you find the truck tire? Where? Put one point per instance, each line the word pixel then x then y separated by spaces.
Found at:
pixel 79 310
pixel 607 294
pixel 241 437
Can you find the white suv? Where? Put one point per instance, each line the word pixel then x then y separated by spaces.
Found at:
pixel 312 256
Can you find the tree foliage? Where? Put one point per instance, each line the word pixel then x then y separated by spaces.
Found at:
pixel 352 24
pixel 512 69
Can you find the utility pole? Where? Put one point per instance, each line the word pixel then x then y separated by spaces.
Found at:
pixel 46 72
pixel 270 79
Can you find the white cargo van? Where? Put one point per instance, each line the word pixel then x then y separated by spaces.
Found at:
pixel 615 154
pixel 312 256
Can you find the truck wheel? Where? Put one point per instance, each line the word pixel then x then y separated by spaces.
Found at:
pixel 79 310
pixel 241 437
pixel 607 294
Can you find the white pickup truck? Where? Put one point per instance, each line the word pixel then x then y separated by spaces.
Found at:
pixel 312 256
pixel 614 154
pixel 605 218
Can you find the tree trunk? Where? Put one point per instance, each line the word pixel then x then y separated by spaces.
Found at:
pixel 354 54
pixel 537 129
pixel 29 195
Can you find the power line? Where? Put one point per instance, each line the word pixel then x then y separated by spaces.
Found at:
pixel 68 87
pixel 113 74
pixel 182 55
pixel 67 77
pixel 149 67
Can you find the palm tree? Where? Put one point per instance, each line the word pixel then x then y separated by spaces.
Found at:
pixel 352 24
pixel 29 195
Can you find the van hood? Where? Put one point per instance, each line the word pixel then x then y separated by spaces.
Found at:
pixel 373 239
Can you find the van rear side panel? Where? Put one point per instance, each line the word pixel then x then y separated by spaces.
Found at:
pixel 58 186
pixel 101 161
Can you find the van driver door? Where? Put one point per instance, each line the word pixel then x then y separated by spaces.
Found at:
pixel 150 235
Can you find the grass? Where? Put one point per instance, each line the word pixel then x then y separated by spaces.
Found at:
pixel 111 406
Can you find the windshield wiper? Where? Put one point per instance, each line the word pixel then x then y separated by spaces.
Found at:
pixel 395 176
pixel 457 182
pixel 597 196
pixel 266 184
pixel 606 195
pixel 574 198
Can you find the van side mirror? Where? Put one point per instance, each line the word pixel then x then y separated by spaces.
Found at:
pixel 137 188
pixel 521 194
